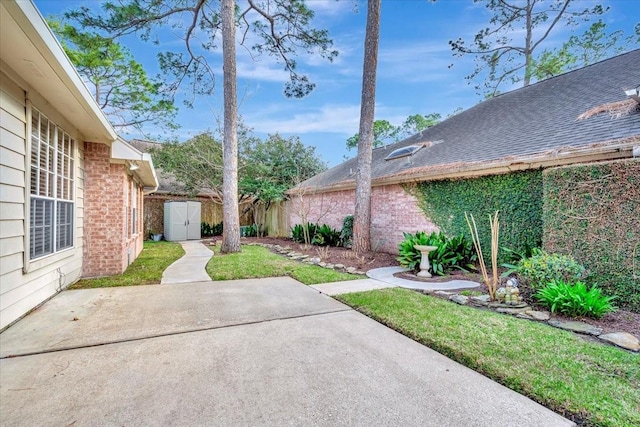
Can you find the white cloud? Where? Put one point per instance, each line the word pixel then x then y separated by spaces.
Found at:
pixel 342 119
pixel 330 8
pixel 415 62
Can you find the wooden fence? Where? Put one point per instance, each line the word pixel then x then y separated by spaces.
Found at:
pixel 275 219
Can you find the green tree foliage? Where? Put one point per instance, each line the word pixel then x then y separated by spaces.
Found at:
pixel 385 133
pixel 416 123
pixel 278 28
pixel 594 45
pixel 121 86
pixel 196 163
pixel 502 58
pixel 267 168
pixel 275 165
pixel 281 29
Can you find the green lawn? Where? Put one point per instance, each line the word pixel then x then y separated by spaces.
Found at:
pixel 583 380
pixel 256 261
pixel 146 269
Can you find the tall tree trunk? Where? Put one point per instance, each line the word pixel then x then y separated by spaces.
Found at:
pixel 230 215
pixel 527 44
pixel 362 217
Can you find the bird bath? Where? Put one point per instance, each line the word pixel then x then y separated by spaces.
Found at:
pixel 424 261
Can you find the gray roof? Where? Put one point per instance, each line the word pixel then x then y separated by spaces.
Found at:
pixel 539 119
pixel 167 182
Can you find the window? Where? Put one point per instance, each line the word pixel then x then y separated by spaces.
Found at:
pixel 134 205
pixel 403 152
pixel 52 184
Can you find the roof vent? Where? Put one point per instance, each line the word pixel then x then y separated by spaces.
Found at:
pixel 634 94
pixel 403 152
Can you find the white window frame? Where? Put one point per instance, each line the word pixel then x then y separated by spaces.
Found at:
pixel 134 208
pixel 59 190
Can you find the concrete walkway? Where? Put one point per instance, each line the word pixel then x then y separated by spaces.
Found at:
pixel 247 352
pixel 191 267
pixel 381 278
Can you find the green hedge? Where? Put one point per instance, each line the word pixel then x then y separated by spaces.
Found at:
pixel 518 197
pixel 592 212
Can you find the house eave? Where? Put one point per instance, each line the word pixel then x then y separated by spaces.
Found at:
pixel 608 150
pixel 140 164
pixel 30 49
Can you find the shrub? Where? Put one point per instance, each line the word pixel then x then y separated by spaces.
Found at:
pixel 451 253
pixel 543 267
pixel 346 235
pixel 326 236
pixel 249 230
pixel 575 299
pixel 298 232
pixel 319 235
pixel 210 230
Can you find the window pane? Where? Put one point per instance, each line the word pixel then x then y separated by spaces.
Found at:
pixel 35 123
pixel 64 225
pixel 44 128
pixel 41 227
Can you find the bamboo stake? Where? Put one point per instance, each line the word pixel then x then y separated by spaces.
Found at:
pixel 495 230
pixel 495 235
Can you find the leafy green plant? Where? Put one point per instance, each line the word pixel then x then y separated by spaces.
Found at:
pixel 463 250
pixel 513 257
pixel 249 230
pixel 543 267
pixel 451 253
pixel 346 235
pixel 517 195
pixel 409 256
pixel 326 236
pixel 205 229
pixel 298 232
pixel 575 299
pixel 210 229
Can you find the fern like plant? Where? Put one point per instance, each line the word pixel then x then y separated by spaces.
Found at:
pixel 575 299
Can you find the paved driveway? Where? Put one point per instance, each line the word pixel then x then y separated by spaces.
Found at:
pixel 249 352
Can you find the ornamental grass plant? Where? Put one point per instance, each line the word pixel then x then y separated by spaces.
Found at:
pixel 575 299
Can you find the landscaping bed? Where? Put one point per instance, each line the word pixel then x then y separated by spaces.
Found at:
pixel 618 321
pixel 332 254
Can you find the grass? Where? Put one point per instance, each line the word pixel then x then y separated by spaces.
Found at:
pixel 591 383
pixel 146 269
pixel 256 261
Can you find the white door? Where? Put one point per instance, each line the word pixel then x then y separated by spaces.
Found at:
pixel 178 221
pixel 193 220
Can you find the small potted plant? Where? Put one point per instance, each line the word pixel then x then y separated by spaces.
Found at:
pixel 153 235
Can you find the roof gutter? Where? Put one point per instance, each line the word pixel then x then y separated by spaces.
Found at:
pixel 610 150
pixel 139 163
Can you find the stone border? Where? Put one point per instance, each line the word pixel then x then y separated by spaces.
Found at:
pixel 295 256
pixel 623 340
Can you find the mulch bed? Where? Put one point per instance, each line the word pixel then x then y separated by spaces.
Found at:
pixel 619 321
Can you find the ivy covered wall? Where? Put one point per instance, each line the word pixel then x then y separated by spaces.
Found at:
pixel 592 212
pixel 518 197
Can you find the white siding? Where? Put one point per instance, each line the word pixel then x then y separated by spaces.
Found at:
pixel 22 289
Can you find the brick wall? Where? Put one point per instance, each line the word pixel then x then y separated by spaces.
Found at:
pixel 109 244
pixel 393 211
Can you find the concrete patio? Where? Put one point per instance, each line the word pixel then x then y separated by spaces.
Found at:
pixel 247 352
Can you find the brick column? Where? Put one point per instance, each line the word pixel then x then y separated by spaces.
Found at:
pixel 105 216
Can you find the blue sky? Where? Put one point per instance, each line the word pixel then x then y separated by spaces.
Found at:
pixel 413 70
